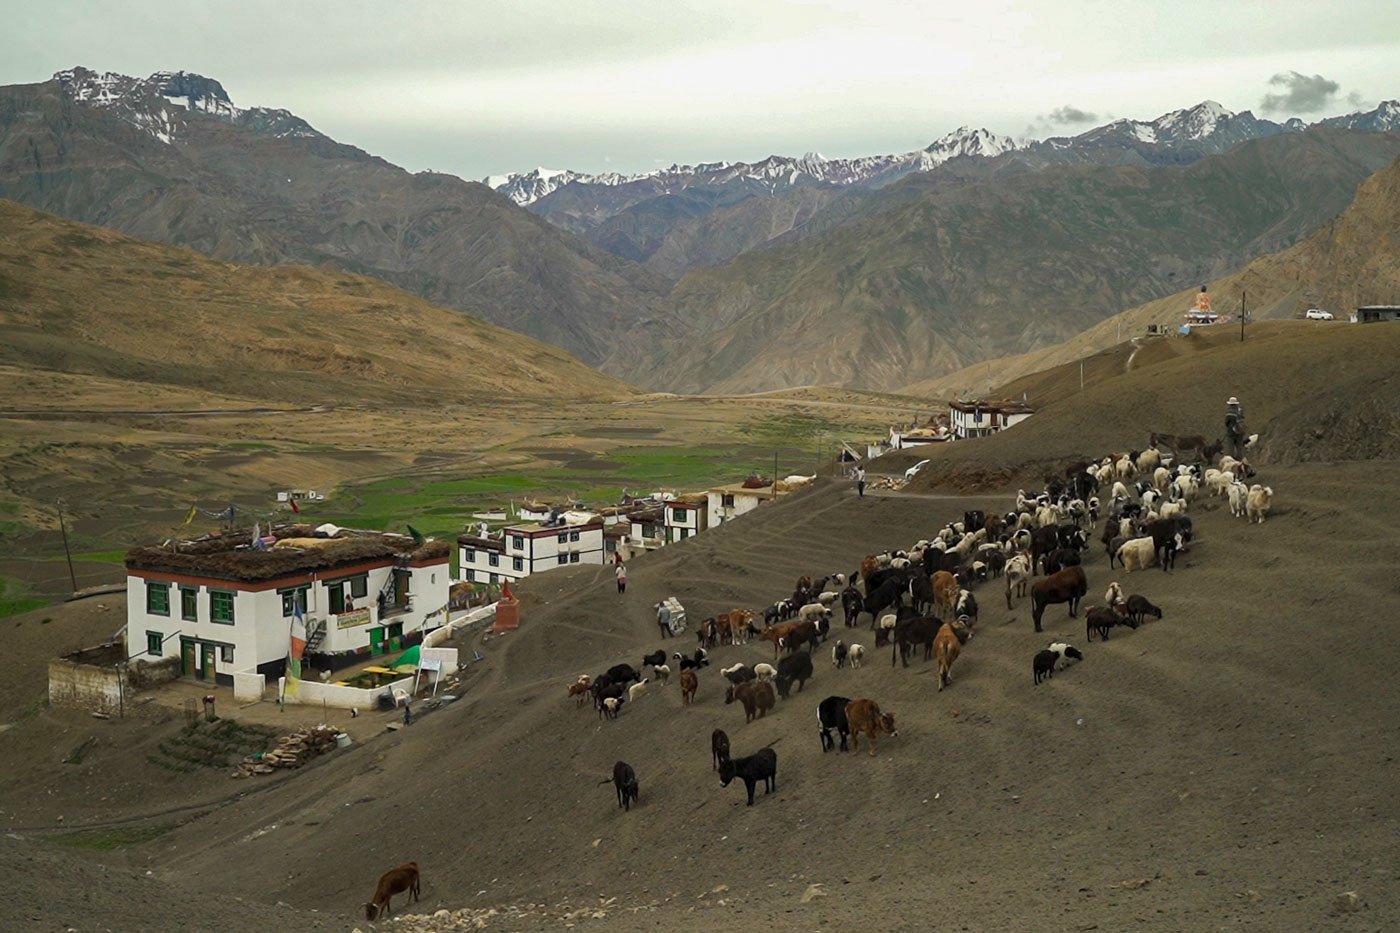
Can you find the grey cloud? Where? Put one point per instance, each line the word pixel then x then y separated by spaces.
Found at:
pixel 1062 116
pixel 1300 93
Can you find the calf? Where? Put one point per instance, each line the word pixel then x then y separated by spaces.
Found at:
pixel 757 698
pixel 865 716
pixel 401 880
pixel 579 691
pixel 947 646
pixel 719 748
pixel 625 780
pixel 796 667
pixel 689 684
pixel 762 765
pixel 1067 586
pixel 831 714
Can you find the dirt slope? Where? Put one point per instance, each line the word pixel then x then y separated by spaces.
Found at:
pixel 1218 755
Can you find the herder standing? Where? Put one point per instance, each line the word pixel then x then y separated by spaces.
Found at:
pixel 621 574
pixel 860 482
pixel 1234 428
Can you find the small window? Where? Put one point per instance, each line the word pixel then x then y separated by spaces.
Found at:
pixel 678 516
pixel 469 555
pixel 153 643
pixel 573 536
pixel 563 558
pixel 493 578
pixel 727 500
pixel 336 595
pixel 157 598
pixel 226 654
pixel 291 599
pixel 518 563
pixel 469 576
pixel 359 587
pixel 189 603
pixel 221 606
pixel 493 559
pixel 573 557
pixel 517 542
pixel 432 578
pixel 563 537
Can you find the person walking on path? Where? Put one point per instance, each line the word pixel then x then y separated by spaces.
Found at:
pixel 407 710
pixel 1234 428
pixel 663 619
pixel 621 574
pixel 860 482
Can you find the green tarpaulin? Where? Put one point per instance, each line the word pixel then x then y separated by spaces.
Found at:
pixel 408 661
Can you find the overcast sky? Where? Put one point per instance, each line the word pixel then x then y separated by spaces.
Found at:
pixel 479 86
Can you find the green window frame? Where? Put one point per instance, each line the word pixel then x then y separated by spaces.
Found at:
pixel 157 598
pixel 221 607
pixel 290 599
pixel 189 603
pixel 154 641
pixel 335 593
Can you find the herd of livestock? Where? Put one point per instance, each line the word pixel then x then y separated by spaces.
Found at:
pixel 922 598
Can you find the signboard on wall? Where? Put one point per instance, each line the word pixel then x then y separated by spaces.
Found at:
pixel 352 618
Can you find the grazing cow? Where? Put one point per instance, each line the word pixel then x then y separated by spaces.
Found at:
pixel 762 765
pixel 757 698
pixel 1067 586
pixel 719 748
pixel 865 716
pixel 401 880
pixel 690 682
pixel 796 667
pixel 920 630
pixel 802 633
pixel 947 646
pixel 831 714
pixel 625 780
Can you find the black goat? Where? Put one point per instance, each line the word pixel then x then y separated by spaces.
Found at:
pixel 655 658
pixel 1043 664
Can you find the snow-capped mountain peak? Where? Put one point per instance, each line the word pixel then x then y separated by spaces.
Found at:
pixel 160 103
pixel 1196 122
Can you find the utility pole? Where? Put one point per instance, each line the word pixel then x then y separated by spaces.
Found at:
pixel 775 475
pixel 1243 314
pixel 62 527
pixel 1081 375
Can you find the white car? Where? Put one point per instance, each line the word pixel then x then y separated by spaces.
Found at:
pixel 1317 314
pixel 913 470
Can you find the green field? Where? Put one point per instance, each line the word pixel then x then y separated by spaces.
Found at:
pixel 15 597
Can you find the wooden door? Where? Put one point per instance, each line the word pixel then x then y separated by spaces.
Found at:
pixel 187 658
pixel 206 661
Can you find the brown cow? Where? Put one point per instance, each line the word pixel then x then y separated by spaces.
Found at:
pixel 868 565
pixel 865 716
pixel 774 632
pixel 757 698
pixel 945 593
pixel 401 880
pixel 733 625
pixel 689 684
pixel 580 690
pixel 1067 586
pixel 947 646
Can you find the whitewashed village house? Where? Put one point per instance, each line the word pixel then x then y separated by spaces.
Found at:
pixel 222 606
pixel 724 503
pixel 517 551
pixel 979 417
pixel 685 517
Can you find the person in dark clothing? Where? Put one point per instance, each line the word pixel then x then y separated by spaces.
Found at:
pixel 407 712
pixel 1234 428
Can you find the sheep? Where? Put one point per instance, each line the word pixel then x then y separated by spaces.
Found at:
pixel 1218 481
pixel 1043 664
pixel 1161 478
pixel 1239 496
pixel 813 611
pixel 1067 652
pixel 1259 502
pixel 1103 618
pixel 829 598
pixel 1137 554
pixel 764 672
pixel 662 673
pixel 637 689
pixel 1138 609
pixel 1125 468
pixel 1018 574
pixel 1186 486
pixel 611 705
pixel 1114 595
pixel 839 654
pixel 856 654
pixel 1172 510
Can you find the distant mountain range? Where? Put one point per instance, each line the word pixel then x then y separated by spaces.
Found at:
pixel 678 218
pixel 938 274
pixel 170 158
